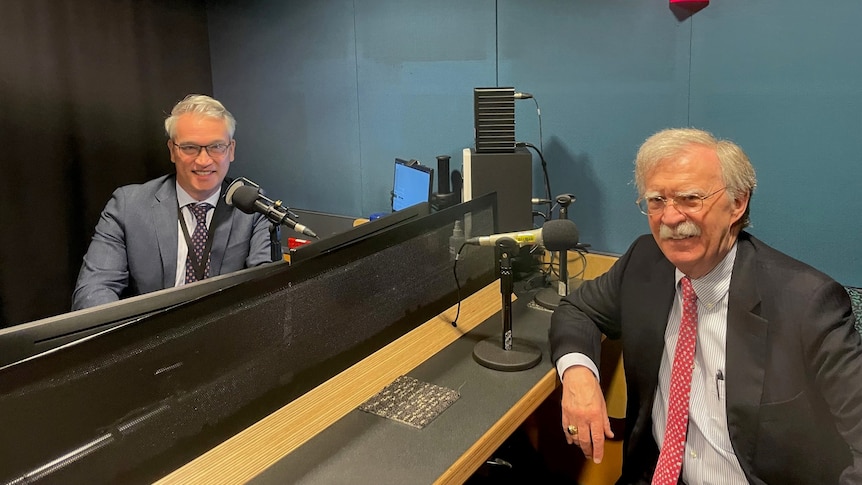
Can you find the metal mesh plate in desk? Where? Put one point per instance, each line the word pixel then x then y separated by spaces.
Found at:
pixel 410 401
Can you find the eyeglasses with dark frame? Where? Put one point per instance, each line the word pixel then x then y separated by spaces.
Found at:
pixel 685 203
pixel 192 150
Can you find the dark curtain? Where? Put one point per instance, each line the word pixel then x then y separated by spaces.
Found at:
pixel 84 88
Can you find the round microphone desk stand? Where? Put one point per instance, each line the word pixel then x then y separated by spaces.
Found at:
pixel 511 354
pixel 550 297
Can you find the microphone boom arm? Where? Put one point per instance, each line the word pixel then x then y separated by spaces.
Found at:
pixel 278 214
pixel 246 196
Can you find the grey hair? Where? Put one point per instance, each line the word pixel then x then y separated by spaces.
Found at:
pixel 202 105
pixel 737 173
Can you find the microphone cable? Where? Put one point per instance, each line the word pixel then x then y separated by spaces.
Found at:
pixel 539 116
pixel 544 173
pixel 538 150
pixel 538 113
pixel 454 321
pixel 552 266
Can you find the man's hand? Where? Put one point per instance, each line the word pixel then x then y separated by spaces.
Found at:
pixel 585 414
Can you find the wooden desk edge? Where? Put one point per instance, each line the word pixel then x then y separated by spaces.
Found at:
pixel 473 458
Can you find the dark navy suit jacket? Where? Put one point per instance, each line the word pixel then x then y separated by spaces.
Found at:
pixel 134 248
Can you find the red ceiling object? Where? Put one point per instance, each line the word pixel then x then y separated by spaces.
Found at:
pixel 684 9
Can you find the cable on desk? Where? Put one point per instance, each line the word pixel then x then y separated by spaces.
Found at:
pixel 457 284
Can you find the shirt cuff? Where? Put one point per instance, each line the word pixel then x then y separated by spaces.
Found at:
pixel 573 359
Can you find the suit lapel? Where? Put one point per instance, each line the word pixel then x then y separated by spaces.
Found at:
pixel 746 350
pixel 658 292
pixel 222 221
pixel 165 213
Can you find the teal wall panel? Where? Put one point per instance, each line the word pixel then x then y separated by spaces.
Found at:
pixel 606 75
pixel 287 71
pixel 417 64
pixel 328 93
pixel 784 80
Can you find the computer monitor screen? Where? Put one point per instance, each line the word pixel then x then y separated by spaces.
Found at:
pixel 412 184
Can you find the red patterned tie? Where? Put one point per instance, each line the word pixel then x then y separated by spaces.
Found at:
pixel 670 459
pixel 199 241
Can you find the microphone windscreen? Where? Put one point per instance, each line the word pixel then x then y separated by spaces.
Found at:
pixel 244 197
pixel 559 235
pixel 228 196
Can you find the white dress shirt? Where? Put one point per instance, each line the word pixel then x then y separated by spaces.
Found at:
pixel 184 199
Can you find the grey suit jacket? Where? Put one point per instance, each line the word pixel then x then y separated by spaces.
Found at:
pixel 793 361
pixel 134 248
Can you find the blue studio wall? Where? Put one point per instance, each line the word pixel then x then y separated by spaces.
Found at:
pixel 329 93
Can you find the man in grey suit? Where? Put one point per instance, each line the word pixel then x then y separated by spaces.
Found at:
pixel 146 229
pixel 774 392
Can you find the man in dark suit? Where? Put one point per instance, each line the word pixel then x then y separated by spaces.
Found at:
pixel 773 394
pixel 146 229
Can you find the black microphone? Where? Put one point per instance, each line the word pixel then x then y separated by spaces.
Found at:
pixel 248 199
pixel 554 235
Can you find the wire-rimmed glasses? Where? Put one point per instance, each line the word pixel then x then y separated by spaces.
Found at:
pixel 685 203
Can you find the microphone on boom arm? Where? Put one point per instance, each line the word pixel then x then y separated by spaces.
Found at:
pixel 246 196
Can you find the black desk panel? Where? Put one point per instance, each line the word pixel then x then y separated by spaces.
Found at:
pixel 363 448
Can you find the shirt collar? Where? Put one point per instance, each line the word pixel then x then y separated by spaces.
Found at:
pixel 184 199
pixel 712 287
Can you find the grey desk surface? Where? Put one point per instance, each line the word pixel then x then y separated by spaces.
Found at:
pixel 364 448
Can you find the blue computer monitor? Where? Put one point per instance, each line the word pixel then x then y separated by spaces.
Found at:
pixel 412 184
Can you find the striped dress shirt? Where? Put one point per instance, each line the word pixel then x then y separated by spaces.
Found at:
pixel 709 457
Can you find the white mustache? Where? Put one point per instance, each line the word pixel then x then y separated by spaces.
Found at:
pixel 681 231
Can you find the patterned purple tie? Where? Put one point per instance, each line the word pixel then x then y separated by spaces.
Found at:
pixel 670 458
pixel 199 241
